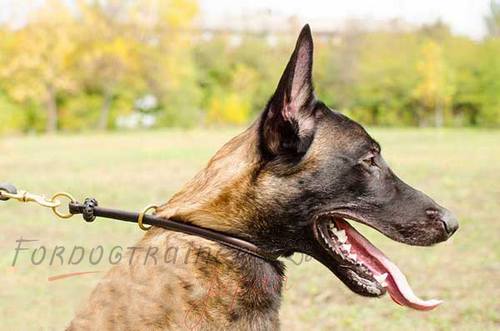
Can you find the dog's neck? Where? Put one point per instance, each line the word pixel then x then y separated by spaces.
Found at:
pixel 231 195
pixel 222 197
pixel 218 196
pixel 222 281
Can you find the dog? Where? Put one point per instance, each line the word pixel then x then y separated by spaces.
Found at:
pixel 292 182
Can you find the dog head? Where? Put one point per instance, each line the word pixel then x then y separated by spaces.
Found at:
pixel 290 182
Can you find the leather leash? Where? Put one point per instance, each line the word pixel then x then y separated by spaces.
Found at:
pixel 90 210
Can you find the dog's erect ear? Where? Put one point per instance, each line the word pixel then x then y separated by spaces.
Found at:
pixel 288 123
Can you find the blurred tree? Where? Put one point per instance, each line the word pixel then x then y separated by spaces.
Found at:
pixel 232 105
pixel 325 71
pixel 82 64
pixel 107 61
pixel 488 78
pixel 263 62
pixel 34 68
pixel 488 85
pixel 347 64
pixel 435 86
pixel 171 71
pixel 12 118
pixel 466 99
pixel 386 77
pixel 243 73
pixel 437 31
pixel 214 64
pixel 493 19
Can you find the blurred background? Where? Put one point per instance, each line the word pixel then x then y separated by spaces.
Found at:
pixel 77 65
pixel 125 101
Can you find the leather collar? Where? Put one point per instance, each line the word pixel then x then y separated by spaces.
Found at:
pixel 90 210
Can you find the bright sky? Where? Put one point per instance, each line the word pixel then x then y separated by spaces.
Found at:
pixel 464 16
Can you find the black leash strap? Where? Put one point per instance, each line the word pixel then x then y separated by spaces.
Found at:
pixel 90 210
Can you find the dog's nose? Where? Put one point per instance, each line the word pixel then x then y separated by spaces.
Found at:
pixel 445 216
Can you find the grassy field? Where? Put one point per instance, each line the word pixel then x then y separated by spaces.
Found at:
pixel 459 168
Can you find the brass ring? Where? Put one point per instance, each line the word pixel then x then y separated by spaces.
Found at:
pixel 141 217
pixel 65 195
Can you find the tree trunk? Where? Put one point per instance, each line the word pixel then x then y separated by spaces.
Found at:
pixel 52 111
pixel 105 109
pixel 439 114
pixel 419 116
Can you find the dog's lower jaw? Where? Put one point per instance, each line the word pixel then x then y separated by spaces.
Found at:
pixel 195 284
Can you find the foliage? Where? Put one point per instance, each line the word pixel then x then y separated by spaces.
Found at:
pixel 435 87
pixel 11 116
pixel 82 65
pixel 34 63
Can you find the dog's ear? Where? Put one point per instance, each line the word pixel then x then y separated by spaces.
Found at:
pixel 287 124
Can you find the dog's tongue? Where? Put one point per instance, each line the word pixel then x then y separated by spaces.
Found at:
pixel 397 285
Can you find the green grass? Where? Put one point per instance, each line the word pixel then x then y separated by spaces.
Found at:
pixel 459 168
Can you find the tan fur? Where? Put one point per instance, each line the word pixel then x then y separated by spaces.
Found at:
pixel 272 194
pixel 223 289
pixel 196 292
pixel 199 290
pixel 215 197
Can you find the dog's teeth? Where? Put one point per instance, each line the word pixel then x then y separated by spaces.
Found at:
pixel 381 278
pixel 346 247
pixel 341 236
pixel 353 256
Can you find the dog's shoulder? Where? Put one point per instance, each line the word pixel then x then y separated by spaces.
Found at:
pixel 173 281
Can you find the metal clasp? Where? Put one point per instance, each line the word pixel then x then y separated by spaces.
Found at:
pixel 52 203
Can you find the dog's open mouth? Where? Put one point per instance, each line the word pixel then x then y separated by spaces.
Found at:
pixel 362 266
